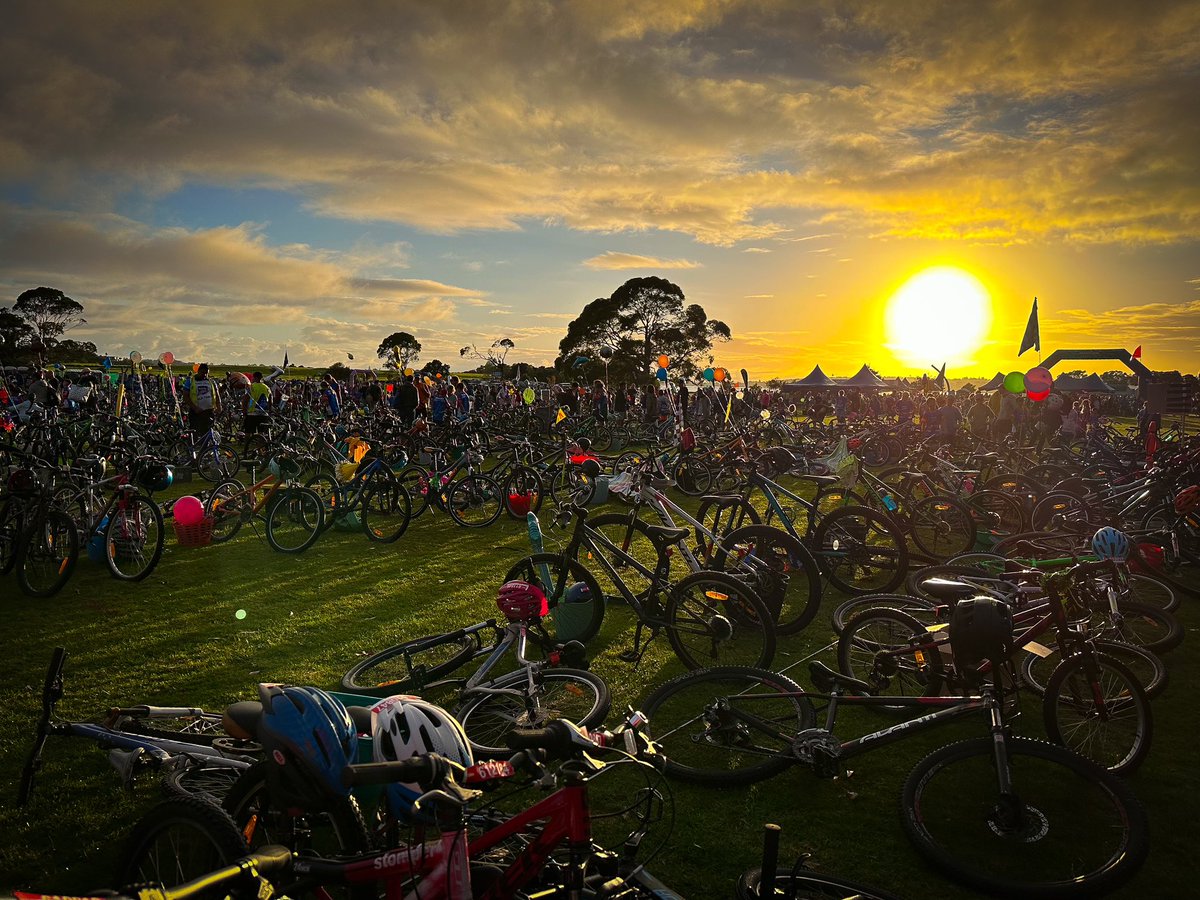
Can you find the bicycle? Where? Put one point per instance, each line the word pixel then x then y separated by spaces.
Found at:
pixel 1001 813
pixel 205 454
pixel 490 706
pixel 37 538
pixel 381 501
pixel 769 880
pixel 187 744
pixel 453 856
pixel 293 515
pixel 708 616
pixel 473 501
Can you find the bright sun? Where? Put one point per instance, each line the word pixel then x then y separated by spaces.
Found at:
pixel 939 315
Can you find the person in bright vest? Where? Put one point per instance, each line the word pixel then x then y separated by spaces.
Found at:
pixel 258 406
pixel 204 401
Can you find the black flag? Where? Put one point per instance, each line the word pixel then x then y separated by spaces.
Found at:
pixel 1033 335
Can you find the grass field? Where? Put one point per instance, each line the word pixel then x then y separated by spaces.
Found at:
pixel 175 640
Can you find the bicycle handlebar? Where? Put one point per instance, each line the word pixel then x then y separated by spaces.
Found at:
pixel 425 770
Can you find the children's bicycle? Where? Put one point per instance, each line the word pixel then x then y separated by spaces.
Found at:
pixel 293 515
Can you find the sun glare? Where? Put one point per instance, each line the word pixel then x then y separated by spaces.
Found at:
pixel 939 315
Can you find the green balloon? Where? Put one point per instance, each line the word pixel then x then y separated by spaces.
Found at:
pixel 527 395
pixel 1014 382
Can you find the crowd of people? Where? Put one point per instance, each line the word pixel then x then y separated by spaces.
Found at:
pixel 256 396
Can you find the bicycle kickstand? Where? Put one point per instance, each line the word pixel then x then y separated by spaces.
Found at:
pixel 635 653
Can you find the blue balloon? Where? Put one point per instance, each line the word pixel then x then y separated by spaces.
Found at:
pixel 661 374
pixel 580 360
pixel 707 374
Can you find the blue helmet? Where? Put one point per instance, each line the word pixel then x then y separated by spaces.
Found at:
pixel 1108 543
pixel 308 738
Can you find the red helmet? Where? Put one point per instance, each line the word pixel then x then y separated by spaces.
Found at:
pixel 521 601
pixel 1188 500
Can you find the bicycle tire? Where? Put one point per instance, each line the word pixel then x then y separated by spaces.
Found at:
pixel 860 551
pixel 440 655
pixel 803 884
pixel 924 611
pixel 955 822
pixel 1147 667
pixel 10 536
pixel 692 476
pixel 720 516
pixel 474 501
pixel 333 500
pixel 941 526
pixel 1153 591
pixel 47 554
pixel 178 840
pixel 573 694
pixel 219 465
pixel 998 513
pixel 582 621
pixel 1118 739
pixel 877 647
pixel 202 781
pixel 714 619
pixel 295 519
pixel 385 512
pixel 226 506
pixel 710 736
pixel 416 481
pixel 525 485
pixel 632 536
pixel 133 538
pixel 1146 626
pixel 949 572
pixel 791 584
pixel 337 830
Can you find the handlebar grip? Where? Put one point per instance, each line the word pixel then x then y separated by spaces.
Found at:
pixel 555 738
pixel 421 769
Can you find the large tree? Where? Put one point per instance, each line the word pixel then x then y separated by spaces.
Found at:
pixel 15 335
pixel 400 347
pixel 493 357
pixel 642 320
pixel 49 312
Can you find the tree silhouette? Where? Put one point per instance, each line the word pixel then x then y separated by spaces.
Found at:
pixel 401 347
pixel 643 319
pixel 493 356
pixel 49 312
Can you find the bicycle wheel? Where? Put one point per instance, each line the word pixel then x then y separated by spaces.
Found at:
pixel 713 619
pixel 860 552
pixel 475 501
pixel 692 476
pixel 217 464
pixel 338 830
pixel 1095 706
pixel 1137 623
pixel 941 527
pixel 409 666
pixel 631 536
pixel 570 694
pixel 924 611
pixel 997 513
pixel 179 840
pixel 333 500
pixel 1067 827
pixel 416 481
pixel 892 652
pixel 575 597
pixel 1153 592
pixel 47 554
pixel 226 506
pixel 295 519
pixel 1148 668
pixel 786 575
pixel 133 538
pixel 202 781
pixel 729 725
pixel 522 492
pixel 10 536
pixel 720 516
pixel 385 512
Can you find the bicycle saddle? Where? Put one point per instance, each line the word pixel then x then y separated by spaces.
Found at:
pixel 825 678
pixel 667 534
pixel 946 589
pixel 240 720
pixel 721 498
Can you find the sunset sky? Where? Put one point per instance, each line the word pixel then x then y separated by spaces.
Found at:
pixel 229 179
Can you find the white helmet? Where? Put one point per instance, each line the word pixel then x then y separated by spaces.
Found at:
pixel 403 727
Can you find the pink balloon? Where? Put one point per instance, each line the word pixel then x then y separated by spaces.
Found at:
pixel 1038 379
pixel 188 510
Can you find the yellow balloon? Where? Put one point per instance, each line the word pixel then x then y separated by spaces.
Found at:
pixel 408 371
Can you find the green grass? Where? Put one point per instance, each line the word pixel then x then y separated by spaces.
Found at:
pixel 175 639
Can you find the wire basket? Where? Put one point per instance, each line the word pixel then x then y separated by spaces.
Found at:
pixel 196 535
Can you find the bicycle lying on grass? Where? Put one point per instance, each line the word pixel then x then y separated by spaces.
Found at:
pixel 1001 813
pixel 186 744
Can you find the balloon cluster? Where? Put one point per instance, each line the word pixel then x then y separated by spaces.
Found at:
pixel 1034 384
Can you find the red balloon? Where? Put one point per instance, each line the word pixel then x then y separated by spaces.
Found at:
pixel 1038 379
pixel 1038 396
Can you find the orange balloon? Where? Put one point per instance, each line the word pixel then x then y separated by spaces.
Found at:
pixel 664 361
pixel 720 374
pixel 195 367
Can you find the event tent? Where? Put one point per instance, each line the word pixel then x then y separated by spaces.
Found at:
pixel 814 379
pixel 865 378
pixel 1092 384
